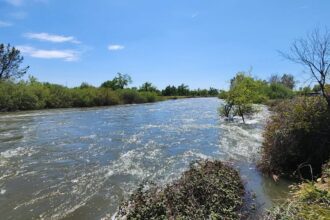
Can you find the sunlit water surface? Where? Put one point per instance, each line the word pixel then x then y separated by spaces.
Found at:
pixel 81 163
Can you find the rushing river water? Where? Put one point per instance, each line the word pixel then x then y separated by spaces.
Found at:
pixel 81 163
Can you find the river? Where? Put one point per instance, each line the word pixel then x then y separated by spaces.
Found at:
pixel 81 163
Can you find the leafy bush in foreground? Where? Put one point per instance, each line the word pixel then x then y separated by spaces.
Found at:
pixel 208 190
pixel 297 135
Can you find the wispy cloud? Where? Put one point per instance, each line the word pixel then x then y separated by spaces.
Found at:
pixel 51 38
pixel 15 2
pixel 66 55
pixel 113 47
pixel 18 3
pixel 5 24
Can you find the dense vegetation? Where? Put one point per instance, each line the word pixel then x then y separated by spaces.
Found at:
pixel 296 135
pixel 183 90
pixel 259 91
pixel 245 91
pixel 31 94
pixel 208 190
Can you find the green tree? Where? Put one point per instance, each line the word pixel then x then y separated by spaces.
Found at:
pixel 170 91
pixel 183 90
pixel 10 62
pixel 147 87
pixel 213 91
pixel 119 82
pixel 244 91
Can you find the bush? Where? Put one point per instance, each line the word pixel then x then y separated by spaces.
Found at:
pixel 59 96
pixel 129 96
pixel 223 94
pixel 279 91
pixel 108 97
pixel 149 96
pixel 208 190
pixel 297 134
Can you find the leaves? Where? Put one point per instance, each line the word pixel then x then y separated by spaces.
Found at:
pixel 10 61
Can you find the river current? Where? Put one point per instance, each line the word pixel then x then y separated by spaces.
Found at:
pixel 81 163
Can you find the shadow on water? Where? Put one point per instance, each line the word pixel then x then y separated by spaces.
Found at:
pixel 81 163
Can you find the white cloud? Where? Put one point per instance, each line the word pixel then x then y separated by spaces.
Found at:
pixel 51 38
pixel 115 47
pixel 5 24
pixel 67 55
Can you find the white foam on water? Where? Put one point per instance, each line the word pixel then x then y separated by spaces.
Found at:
pixel 3 191
pixel 17 152
pixel 92 136
pixel 243 141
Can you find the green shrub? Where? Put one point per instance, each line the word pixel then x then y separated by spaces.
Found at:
pixel 85 97
pixel 129 96
pixel 223 94
pixel 25 98
pixel 108 97
pixel 31 94
pixel 279 91
pixel 297 133
pixel 6 101
pixel 207 190
pixel 59 96
pixel 149 96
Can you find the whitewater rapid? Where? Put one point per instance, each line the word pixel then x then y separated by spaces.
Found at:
pixel 82 163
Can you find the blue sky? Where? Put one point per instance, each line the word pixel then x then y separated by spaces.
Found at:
pixel 197 42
